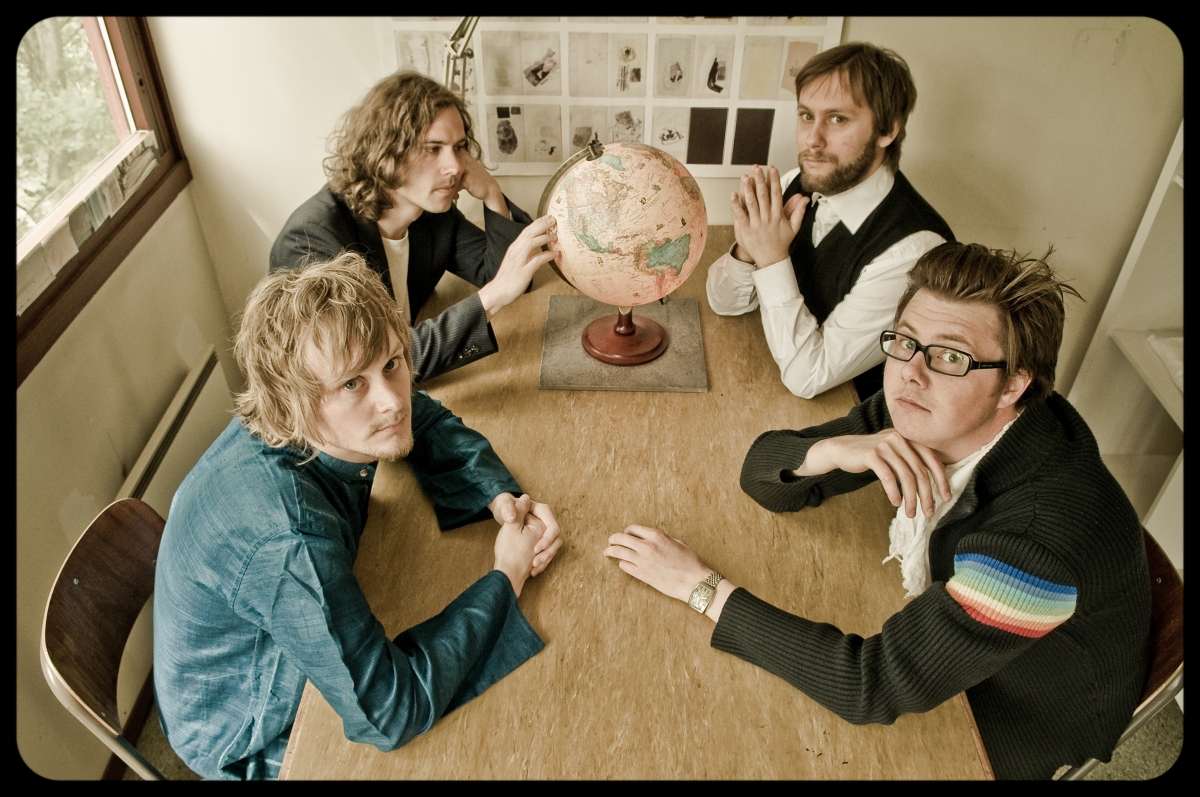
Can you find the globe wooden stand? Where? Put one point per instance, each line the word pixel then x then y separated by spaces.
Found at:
pixel 615 339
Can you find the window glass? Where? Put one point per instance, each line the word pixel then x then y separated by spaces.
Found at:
pixel 71 112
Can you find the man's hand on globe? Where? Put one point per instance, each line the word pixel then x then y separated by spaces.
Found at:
pixel 522 260
pixel 764 229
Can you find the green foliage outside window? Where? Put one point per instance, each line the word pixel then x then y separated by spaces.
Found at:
pixel 64 128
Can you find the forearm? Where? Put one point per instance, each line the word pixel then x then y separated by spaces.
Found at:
pixel 456 337
pixel 500 229
pixel 455 465
pixel 497 203
pixel 768 471
pixel 921 657
pixel 436 666
pixel 477 253
pixel 730 286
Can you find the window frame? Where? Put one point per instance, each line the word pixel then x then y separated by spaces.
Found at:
pixel 48 316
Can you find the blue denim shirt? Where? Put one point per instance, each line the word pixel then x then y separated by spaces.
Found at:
pixel 254 593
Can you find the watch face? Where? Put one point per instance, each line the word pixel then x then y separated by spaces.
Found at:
pixel 701 595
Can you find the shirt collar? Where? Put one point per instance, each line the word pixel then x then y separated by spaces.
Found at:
pixel 853 205
pixel 347 471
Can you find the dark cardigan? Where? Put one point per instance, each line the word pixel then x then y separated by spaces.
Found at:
pixel 1041 503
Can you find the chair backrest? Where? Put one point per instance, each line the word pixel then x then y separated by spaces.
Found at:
pixel 100 590
pixel 1166 647
pixel 1166 621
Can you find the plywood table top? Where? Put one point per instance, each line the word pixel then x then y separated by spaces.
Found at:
pixel 628 685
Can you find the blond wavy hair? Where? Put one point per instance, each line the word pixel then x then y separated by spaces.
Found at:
pixel 339 306
pixel 375 140
pixel 1027 294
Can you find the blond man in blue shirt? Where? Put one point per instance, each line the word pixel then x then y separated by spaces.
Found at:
pixel 255 592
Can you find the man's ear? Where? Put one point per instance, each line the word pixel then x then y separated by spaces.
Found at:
pixel 1014 389
pixel 885 141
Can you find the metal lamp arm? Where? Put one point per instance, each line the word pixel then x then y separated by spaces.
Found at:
pixel 457 50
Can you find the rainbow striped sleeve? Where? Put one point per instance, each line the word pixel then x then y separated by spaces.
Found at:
pixel 1004 597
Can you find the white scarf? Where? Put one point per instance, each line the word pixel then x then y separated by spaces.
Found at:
pixel 909 537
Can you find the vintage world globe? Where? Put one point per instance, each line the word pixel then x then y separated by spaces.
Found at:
pixel 631 229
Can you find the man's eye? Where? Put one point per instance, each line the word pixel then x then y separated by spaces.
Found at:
pixel 351 385
pixel 952 357
pixel 908 345
pixel 392 364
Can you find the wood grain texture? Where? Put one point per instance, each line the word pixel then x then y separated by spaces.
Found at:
pixel 628 686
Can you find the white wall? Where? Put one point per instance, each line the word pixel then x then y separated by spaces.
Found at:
pixel 1027 131
pixel 254 100
pixel 83 417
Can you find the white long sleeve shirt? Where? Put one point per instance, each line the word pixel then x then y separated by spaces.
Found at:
pixel 812 357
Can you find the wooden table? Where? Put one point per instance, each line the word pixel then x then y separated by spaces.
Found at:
pixel 628 686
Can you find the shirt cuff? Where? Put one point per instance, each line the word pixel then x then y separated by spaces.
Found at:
pixel 742 263
pixel 776 283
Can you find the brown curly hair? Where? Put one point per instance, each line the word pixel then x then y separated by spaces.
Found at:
pixel 374 141
pixel 1027 294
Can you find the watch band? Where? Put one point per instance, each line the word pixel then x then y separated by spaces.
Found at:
pixel 703 592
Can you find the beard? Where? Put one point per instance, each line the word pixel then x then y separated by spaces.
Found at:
pixel 398 447
pixel 843 176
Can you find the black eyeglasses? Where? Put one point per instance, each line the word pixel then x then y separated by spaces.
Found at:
pixel 942 359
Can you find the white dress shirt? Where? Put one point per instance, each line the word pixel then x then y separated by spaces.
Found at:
pixel 908 538
pixel 397 259
pixel 811 357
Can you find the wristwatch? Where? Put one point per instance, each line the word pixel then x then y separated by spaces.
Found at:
pixel 702 595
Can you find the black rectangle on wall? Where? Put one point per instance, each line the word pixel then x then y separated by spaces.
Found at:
pixel 752 135
pixel 706 135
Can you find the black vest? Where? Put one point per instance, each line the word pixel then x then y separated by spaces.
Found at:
pixel 826 273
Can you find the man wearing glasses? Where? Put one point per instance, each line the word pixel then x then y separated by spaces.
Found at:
pixel 1023 558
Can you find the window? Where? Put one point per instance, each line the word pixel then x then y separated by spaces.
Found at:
pixel 98 161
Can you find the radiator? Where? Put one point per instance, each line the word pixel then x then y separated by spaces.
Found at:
pixel 199 412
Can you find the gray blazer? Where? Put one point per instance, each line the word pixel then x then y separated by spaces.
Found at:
pixel 323 227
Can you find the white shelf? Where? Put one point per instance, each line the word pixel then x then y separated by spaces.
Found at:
pixel 1135 345
pixel 1123 389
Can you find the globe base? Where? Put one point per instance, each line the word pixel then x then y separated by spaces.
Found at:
pixel 615 339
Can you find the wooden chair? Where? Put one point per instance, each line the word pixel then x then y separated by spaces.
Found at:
pixel 1166 646
pixel 99 592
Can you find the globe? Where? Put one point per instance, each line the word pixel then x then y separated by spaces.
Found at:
pixel 631 229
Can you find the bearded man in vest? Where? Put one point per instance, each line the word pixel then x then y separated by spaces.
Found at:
pixel 827 281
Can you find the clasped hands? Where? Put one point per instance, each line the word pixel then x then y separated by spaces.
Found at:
pixel 528 539
pixel 762 225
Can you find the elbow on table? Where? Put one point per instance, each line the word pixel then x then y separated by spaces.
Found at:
pixel 724 308
pixel 387 743
pixel 802 388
